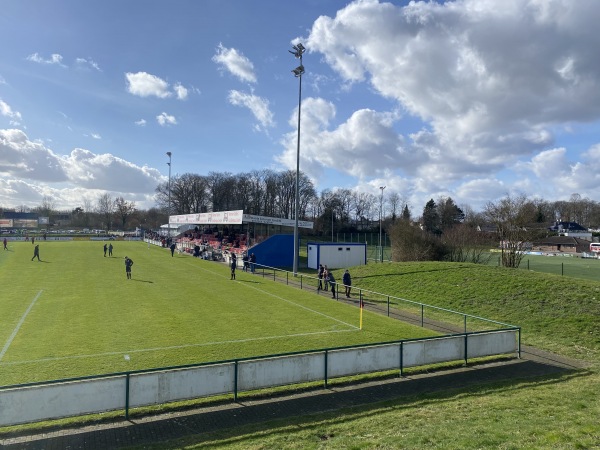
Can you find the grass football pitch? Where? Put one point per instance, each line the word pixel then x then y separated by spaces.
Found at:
pixel 74 313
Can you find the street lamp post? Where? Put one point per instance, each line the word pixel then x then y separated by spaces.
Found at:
pixel 380 217
pixel 298 71
pixel 169 188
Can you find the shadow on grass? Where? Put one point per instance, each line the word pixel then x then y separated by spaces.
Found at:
pixel 400 272
pixel 248 281
pixel 142 281
pixel 307 408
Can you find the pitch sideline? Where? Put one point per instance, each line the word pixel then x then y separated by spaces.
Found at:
pixel 16 330
pixel 286 300
pixel 173 347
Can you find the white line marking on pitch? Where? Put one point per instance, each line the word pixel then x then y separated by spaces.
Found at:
pixel 16 330
pixel 174 347
pixel 290 302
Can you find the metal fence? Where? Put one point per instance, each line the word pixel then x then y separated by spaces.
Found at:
pixel 122 391
pixel 421 314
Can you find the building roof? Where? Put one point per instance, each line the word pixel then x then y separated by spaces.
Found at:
pixel 561 240
pixel 19 215
pixel 567 226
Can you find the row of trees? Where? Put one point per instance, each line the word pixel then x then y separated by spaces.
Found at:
pixel 106 213
pixel 513 223
pixel 270 193
pixel 442 231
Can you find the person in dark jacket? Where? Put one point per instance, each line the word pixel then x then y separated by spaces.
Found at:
pixel 36 253
pixel 233 265
pixel 347 279
pixel 128 264
pixel 331 281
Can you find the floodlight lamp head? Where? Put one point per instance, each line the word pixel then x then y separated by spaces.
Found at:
pixel 298 71
pixel 299 49
pixel 169 154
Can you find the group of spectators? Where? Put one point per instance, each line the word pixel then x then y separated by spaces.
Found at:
pixel 327 279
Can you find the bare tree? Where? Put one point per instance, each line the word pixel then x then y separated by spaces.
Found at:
pixel 123 210
pixel 47 207
pixel 286 198
pixel 363 203
pixel 411 243
pixel 463 244
pixel 510 218
pixel 393 202
pixel 106 208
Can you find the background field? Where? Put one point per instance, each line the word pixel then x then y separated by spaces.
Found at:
pixel 75 313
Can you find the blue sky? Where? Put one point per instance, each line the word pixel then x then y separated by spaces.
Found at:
pixel 430 99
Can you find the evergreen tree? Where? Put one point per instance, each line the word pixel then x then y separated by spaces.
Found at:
pixel 431 218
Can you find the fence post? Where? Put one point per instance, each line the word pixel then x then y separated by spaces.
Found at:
pixel 325 374
pixel 401 358
pixel 235 381
pixel 422 315
pixel 388 305
pixel 466 349
pixel 127 396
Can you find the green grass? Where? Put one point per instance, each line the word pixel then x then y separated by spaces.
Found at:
pixel 568 266
pixel 75 313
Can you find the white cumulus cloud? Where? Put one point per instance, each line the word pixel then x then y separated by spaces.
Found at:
pixel 235 63
pixel 165 119
pixel 144 84
pixel 257 105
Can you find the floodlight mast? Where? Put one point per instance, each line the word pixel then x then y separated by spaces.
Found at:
pixel 380 217
pixel 298 51
pixel 169 188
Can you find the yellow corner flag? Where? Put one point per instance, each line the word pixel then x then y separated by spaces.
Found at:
pixel 361 303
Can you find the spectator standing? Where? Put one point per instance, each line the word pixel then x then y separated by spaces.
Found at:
pixel 233 265
pixel 347 279
pixel 36 252
pixel 128 264
pixel 110 249
pixel 5 244
pixel 326 278
pixel 331 280
pixel 320 276
pixel 245 261
pixel 252 262
pixel 173 247
pixel 105 248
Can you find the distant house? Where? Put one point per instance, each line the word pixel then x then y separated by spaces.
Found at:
pixel 566 227
pixel 561 244
pixel 571 229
